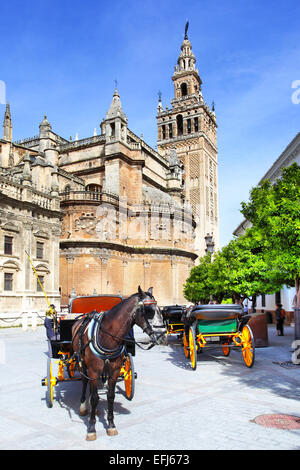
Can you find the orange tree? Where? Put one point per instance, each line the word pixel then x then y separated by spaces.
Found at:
pixel 274 212
pixel 238 271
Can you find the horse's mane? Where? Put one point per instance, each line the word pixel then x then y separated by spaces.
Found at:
pixel 118 306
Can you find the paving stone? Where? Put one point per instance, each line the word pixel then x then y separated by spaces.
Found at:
pixel 174 407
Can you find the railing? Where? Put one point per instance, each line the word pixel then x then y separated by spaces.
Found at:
pixel 12 187
pixel 88 196
pixel 139 143
pixel 146 207
pixel 41 199
pixel 28 142
pixel 81 143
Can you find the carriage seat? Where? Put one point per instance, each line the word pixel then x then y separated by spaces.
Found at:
pixel 173 312
pixel 216 312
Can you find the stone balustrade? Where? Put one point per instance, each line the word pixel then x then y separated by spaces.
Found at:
pixel 12 187
pixel 81 143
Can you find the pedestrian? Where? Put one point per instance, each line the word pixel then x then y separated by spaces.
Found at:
pixel 280 317
pixel 51 326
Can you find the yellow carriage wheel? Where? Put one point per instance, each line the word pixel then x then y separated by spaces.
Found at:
pixel 186 346
pixel 193 349
pixel 248 347
pixel 51 382
pixel 71 364
pixel 129 376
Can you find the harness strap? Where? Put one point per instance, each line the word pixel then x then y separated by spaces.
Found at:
pixel 95 346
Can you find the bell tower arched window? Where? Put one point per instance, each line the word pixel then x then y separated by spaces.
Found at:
pixel 179 120
pixel 183 89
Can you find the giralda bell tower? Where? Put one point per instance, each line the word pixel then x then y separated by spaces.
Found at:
pixel 190 128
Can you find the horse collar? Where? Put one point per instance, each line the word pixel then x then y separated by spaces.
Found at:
pixel 95 346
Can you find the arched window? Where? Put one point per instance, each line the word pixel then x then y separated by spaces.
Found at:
pixel 113 130
pixel 179 120
pixel 93 187
pixel 183 89
pixel 196 124
pixel 189 126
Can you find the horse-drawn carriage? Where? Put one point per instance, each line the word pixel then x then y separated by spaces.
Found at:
pixel 173 319
pixel 60 346
pixel 96 340
pixel 217 325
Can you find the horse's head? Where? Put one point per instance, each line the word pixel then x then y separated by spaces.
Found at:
pixel 149 316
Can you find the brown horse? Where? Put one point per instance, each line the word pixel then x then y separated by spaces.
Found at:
pixel 98 342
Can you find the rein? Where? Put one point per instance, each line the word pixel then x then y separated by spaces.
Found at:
pixel 141 304
pixel 127 340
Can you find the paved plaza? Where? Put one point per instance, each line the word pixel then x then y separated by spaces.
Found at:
pixel 174 407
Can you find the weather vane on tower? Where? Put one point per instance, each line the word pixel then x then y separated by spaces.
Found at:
pixel 186 30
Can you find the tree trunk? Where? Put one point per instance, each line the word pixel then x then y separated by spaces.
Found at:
pixel 253 303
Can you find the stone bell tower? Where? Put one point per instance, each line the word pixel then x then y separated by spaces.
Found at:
pixel 190 128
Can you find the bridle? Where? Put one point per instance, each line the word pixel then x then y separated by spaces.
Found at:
pixel 142 304
pixel 141 307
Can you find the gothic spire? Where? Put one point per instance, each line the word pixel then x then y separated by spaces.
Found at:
pixel 7 124
pixel 115 109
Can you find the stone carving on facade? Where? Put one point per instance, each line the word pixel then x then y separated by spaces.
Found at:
pixel 86 223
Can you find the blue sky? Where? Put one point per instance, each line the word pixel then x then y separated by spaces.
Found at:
pixel 61 59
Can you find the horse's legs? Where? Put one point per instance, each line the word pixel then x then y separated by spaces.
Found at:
pixel 83 407
pixel 111 430
pixel 91 434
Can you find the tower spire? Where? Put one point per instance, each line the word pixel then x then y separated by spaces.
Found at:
pixel 115 123
pixel 186 77
pixel 7 124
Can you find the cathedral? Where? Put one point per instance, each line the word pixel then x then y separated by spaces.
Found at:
pixel 107 213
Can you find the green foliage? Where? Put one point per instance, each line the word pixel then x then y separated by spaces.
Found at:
pixel 274 211
pixel 198 287
pixel 266 257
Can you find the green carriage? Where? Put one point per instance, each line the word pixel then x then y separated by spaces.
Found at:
pixel 218 325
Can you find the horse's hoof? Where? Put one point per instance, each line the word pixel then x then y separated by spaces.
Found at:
pixel 112 432
pixel 91 436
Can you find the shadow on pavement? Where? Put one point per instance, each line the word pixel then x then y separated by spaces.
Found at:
pixel 266 373
pixel 67 396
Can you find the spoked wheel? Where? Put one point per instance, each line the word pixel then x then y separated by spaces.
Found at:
pixel 193 348
pixel 248 347
pixel 51 381
pixel 129 377
pixel 185 346
pixel 71 365
pixel 226 349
